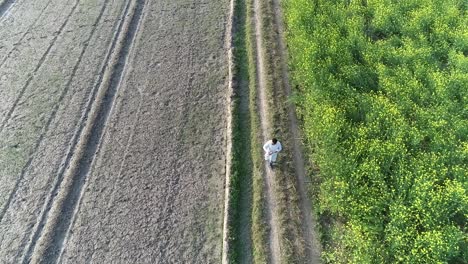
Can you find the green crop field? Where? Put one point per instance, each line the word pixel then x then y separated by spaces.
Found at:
pixel 382 89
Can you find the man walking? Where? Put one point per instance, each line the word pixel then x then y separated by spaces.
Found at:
pixel 271 148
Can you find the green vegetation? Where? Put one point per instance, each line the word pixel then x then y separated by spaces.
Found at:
pixel 259 225
pixel 247 228
pixel 382 89
pixel 241 160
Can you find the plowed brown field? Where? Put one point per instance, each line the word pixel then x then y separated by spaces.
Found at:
pixel 112 130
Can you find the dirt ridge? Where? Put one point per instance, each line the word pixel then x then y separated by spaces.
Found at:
pixel 47 245
pixel 230 94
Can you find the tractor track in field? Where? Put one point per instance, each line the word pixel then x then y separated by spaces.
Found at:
pixel 47 241
pixel 51 118
pixel 113 132
pixel 24 34
pixel 38 67
pixel 33 154
pixel 270 195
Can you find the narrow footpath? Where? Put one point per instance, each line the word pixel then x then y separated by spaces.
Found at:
pixel 312 246
pixel 259 82
pixel 272 212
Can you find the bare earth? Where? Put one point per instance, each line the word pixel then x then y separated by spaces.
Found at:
pixel 112 130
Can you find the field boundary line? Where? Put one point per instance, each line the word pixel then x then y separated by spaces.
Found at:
pixel 230 102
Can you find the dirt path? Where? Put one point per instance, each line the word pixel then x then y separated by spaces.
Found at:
pixel 272 214
pixel 308 223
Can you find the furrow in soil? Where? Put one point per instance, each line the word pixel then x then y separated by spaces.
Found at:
pixel 164 202
pixel 137 13
pixel 49 127
pixel 116 150
pixel 8 54
pixel 57 221
pixel 53 114
pixel 51 118
pixel 36 69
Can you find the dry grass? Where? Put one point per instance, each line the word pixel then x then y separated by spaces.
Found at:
pixel 289 214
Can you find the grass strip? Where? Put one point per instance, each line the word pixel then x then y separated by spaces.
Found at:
pixel 259 224
pixel 247 232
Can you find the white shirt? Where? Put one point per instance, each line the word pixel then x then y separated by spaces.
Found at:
pixel 269 148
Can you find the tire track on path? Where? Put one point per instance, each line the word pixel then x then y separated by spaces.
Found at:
pixel 38 67
pixel 310 238
pixel 272 214
pixel 47 243
pixel 24 34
